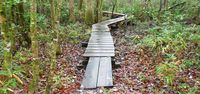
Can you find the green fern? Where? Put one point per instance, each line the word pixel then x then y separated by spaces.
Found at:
pixel 167 71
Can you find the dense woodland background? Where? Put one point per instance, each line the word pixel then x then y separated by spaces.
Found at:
pixel 158 49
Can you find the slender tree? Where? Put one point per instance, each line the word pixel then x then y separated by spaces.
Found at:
pixel 100 9
pixel 165 4
pixel 55 15
pixel 89 14
pixel 6 33
pixel 114 3
pixel 34 46
pixel 58 14
pixel 71 11
pixel 80 7
pixel 161 5
pixel 20 21
pixel 97 10
pixel 52 48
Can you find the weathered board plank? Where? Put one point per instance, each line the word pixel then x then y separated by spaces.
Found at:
pixel 99 26
pixel 90 54
pixel 100 46
pixel 91 74
pixel 105 72
pixel 97 48
pixel 100 29
pixel 99 51
pixel 98 73
pixel 111 21
pixel 100 38
pixel 100 35
pixel 100 43
pixel 103 32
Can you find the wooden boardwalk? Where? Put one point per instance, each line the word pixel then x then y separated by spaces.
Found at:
pixel 100 44
pixel 100 49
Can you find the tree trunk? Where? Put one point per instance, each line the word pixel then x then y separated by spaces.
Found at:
pixel 19 20
pixel 100 10
pixel 71 11
pixel 7 34
pixel 52 48
pixel 34 47
pixel 55 44
pixel 89 14
pixel 58 13
pixel 80 5
pixel 113 9
pixel 97 9
pixel 165 4
pixel 161 5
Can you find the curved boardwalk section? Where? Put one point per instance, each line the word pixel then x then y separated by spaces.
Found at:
pixel 100 49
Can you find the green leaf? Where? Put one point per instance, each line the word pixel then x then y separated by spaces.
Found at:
pixel 4 73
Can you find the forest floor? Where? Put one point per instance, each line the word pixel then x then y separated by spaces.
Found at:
pixel 127 78
pixel 136 75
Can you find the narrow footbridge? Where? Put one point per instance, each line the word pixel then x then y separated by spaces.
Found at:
pixel 100 49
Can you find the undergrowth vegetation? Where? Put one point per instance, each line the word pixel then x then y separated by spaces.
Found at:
pixel 177 45
pixel 167 35
pixel 172 41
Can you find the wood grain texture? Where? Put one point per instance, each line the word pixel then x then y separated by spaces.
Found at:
pixel 91 74
pixel 100 49
pixel 92 54
pixel 98 42
pixel 98 73
pixel 105 72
